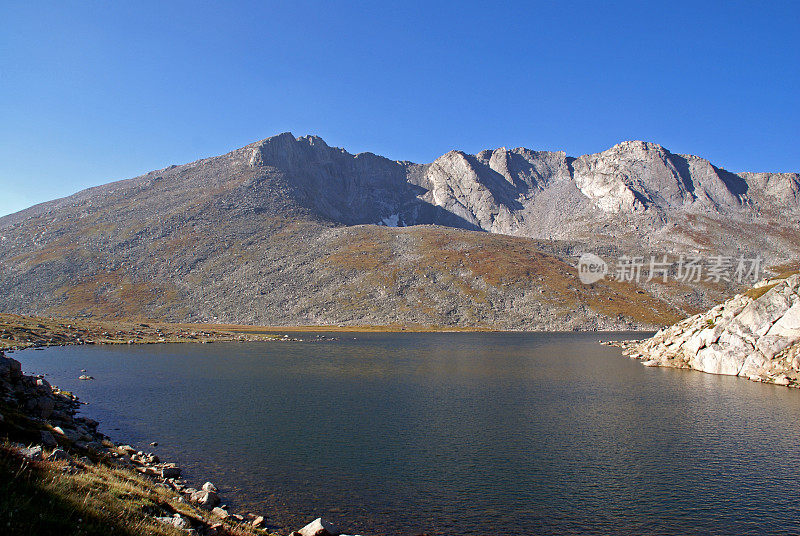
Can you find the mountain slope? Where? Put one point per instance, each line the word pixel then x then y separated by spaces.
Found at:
pixel 291 231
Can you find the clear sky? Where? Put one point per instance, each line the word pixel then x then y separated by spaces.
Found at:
pixel 97 91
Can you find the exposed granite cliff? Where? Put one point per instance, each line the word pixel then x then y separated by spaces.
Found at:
pixel 755 335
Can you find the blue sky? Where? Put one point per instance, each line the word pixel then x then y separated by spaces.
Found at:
pixel 97 91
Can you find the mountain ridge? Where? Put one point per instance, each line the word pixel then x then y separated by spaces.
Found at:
pixel 289 230
pixel 790 180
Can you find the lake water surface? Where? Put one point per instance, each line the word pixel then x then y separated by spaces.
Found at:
pixel 457 434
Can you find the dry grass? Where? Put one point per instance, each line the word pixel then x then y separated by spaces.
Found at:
pixel 46 498
pixel 111 295
pixel 785 270
pixel 475 263
pixel 18 331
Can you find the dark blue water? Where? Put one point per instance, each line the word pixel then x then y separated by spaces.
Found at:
pixel 466 434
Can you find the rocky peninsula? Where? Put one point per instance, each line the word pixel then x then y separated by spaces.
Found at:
pixel 755 335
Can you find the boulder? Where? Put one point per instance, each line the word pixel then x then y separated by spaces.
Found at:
pixel 126 449
pixel 177 521
pixel 43 385
pixel 220 512
pixel 48 440
pixel 58 455
pixel 320 527
pixel 206 499
pixel 45 405
pixel 170 471
pixel 95 446
pixel 32 453
pixel 69 433
pixel 85 377
pixel 782 380
pixel 258 522
pixel 86 422
pixel 10 368
pixel 208 486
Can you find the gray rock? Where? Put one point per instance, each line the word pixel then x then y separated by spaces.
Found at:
pixel 32 453
pixel 755 338
pixel 177 521
pixel 206 499
pixel 47 439
pixel 220 512
pixel 58 455
pixel 10 369
pixel 126 449
pixel 320 527
pixel 170 471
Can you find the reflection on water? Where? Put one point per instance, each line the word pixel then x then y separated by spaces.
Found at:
pixel 454 433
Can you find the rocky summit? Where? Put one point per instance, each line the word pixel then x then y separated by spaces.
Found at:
pixel 291 231
pixel 755 335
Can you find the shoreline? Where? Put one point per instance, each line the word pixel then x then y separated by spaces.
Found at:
pixel 43 432
pixel 18 332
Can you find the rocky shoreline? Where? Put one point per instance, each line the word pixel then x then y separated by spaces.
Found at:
pixel 18 332
pixel 755 335
pixel 40 423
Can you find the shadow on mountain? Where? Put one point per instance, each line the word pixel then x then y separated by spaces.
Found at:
pixel 503 192
pixel 735 183
pixel 682 165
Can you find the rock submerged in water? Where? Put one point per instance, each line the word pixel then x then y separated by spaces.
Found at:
pixel 85 377
pixel 755 335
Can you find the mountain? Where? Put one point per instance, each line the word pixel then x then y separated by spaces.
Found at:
pixel 291 231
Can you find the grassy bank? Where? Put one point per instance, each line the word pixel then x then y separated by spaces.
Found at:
pixel 59 498
pixel 22 331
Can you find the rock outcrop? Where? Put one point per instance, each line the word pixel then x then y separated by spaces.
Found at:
pixel 755 335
